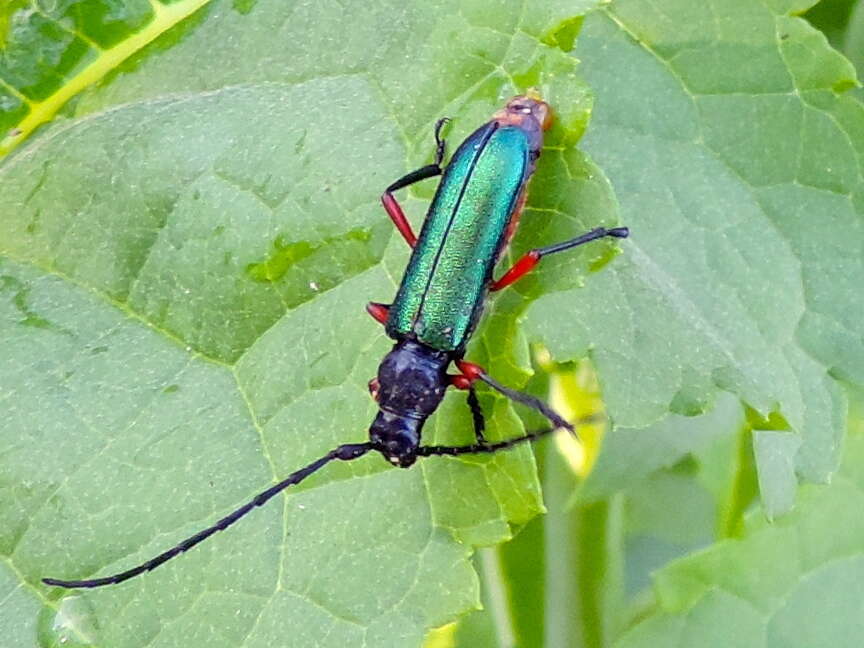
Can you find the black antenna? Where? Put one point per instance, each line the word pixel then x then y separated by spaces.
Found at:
pixel 482 448
pixel 347 452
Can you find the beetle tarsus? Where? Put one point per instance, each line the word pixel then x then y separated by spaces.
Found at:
pixel 440 142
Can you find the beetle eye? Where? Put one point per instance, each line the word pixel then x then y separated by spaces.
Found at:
pixel 374 387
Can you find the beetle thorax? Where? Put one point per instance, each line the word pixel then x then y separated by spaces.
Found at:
pixel 412 380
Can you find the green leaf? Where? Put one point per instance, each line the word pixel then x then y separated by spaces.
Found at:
pixel 184 261
pixel 629 455
pixel 775 453
pixel 793 584
pixel 736 165
pixel 53 51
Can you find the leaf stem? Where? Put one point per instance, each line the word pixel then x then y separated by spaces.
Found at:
pixel 496 592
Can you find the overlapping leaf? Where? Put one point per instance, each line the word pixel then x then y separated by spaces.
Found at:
pixel 794 583
pixel 736 164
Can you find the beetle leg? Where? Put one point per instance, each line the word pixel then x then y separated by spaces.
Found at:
pixel 531 258
pixel 379 312
pixel 440 142
pixel 465 381
pixel 374 388
pixel 392 207
pixel 472 372
pixel 477 416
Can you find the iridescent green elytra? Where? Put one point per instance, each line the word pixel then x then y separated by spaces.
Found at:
pixel 441 295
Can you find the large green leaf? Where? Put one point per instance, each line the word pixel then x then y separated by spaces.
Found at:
pixel 186 253
pixel 629 455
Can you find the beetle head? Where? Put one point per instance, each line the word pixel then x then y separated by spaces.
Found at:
pixel 525 107
pixel 397 437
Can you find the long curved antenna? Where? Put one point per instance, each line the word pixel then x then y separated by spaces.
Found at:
pixel 346 452
pixel 482 448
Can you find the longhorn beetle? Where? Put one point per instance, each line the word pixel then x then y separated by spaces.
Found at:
pixel 469 223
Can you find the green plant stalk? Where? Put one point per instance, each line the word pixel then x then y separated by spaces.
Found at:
pixel 743 488
pixel 495 596
pixel 584 549
pixel 523 563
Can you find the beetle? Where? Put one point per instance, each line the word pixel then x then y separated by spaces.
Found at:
pixel 440 299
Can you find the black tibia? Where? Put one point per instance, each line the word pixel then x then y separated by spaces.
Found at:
pixel 529 401
pixel 346 452
pixel 593 235
pixel 484 447
pixel 430 170
pixel 477 415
